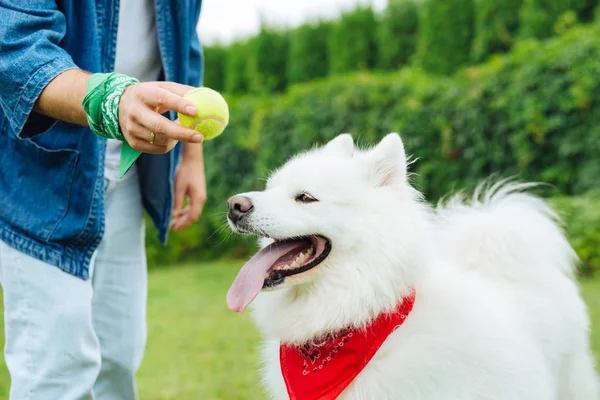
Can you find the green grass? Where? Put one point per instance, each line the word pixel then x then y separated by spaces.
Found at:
pixel 591 294
pixel 197 348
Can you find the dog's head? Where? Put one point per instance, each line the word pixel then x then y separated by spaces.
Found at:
pixel 336 220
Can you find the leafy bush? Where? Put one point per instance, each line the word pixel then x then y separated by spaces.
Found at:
pixel 308 56
pixel 586 9
pixel 353 42
pixel 397 33
pixel 533 113
pixel 236 67
pixel 538 18
pixel 496 26
pixel 439 36
pixel 581 217
pixel 267 61
pixel 445 35
pixel 215 61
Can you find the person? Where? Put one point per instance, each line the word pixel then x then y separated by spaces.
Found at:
pixel 72 254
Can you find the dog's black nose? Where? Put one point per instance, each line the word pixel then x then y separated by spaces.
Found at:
pixel 238 207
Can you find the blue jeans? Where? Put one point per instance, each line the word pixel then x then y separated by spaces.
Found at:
pixel 72 339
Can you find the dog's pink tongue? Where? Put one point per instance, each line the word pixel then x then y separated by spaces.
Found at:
pixel 249 281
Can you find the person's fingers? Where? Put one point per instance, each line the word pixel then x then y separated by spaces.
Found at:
pixel 161 140
pixel 191 213
pixel 179 221
pixel 176 88
pixel 197 201
pixel 182 222
pixel 163 99
pixel 180 189
pixel 140 138
pixel 144 128
pixel 161 125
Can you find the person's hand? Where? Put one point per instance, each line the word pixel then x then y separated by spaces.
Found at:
pixel 140 118
pixel 190 185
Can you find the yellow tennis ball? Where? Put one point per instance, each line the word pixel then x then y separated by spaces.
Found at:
pixel 212 112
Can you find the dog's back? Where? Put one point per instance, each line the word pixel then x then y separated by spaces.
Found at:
pixel 507 233
pixel 514 239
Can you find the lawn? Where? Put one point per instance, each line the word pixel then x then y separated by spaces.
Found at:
pixel 197 348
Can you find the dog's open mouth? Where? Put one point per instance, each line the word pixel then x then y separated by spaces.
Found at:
pixel 270 266
pixel 306 253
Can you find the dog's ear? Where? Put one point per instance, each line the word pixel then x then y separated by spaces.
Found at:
pixel 341 145
pixel 387 161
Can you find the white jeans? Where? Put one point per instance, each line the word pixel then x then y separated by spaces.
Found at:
pixel 69 339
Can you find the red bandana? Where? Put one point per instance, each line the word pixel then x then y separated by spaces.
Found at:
pixel 323 371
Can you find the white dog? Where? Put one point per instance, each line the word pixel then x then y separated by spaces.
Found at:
pixel 362 291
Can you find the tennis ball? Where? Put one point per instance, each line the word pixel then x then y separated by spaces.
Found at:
pixel 212 114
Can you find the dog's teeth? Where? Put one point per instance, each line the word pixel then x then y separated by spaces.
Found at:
pixel 302 257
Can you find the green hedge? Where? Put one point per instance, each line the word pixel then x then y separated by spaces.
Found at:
pixel 215 63
pixel 533 113
pixel 267 60
pixel 308 53
pixel 353 42
pixel 440 36
pixel 496 27
pixel 541 18
pixel 397 32
pixel 446 35
pixel 236 67
pixel 581 217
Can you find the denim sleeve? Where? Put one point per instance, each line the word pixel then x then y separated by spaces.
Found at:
pixel 196 66
pixel 196 62
pixel 31 31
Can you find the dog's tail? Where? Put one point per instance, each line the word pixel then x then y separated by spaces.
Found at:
pixel 505 232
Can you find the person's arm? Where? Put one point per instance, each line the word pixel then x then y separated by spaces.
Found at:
pixel 31 31
pixel 42 84
pixel 61 98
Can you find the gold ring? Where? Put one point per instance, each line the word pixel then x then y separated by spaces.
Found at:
pixel 152 137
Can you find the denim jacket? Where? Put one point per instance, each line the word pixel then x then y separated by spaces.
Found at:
pixel 52 172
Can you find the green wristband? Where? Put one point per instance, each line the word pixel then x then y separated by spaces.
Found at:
pixel 101 105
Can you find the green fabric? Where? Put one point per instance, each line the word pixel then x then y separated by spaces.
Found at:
pixel 101 105
pixel 128 157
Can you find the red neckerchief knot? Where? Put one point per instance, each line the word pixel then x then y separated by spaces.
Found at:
pixel 322 371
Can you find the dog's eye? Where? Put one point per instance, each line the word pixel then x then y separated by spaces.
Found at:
pixel 305 198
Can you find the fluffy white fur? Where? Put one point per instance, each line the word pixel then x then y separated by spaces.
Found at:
pixel 498 314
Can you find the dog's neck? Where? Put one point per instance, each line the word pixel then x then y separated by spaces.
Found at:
pixel 306 313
